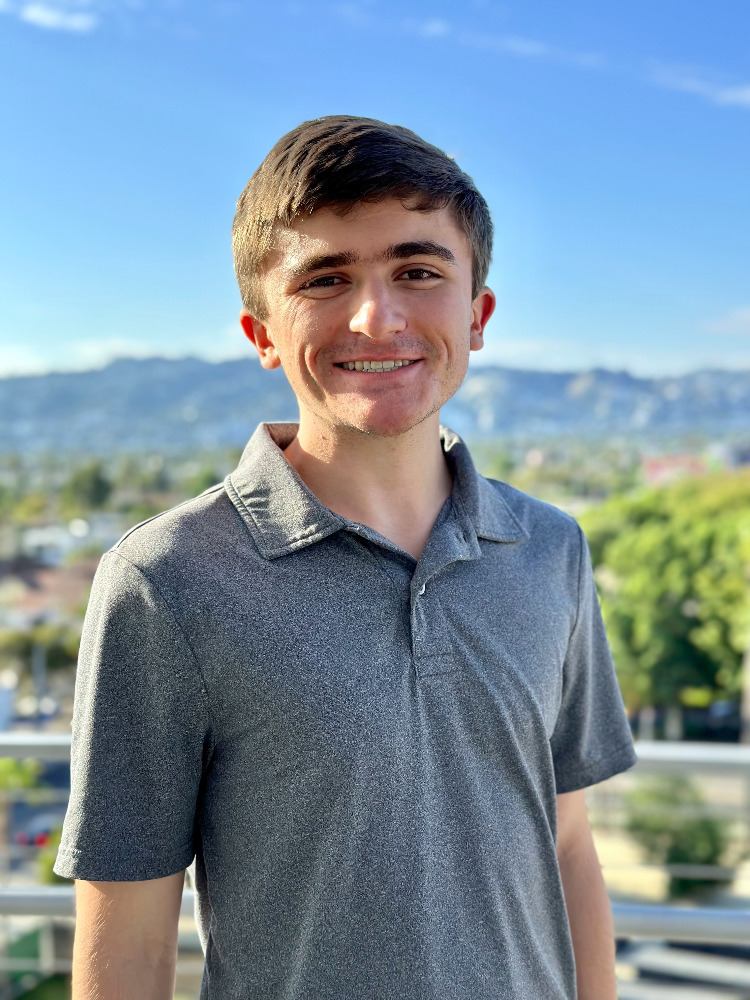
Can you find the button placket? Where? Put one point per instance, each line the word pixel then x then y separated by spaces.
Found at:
pixel 431 641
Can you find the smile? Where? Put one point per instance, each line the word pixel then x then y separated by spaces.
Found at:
pixel 373 366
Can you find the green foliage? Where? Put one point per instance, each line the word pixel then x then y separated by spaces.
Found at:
pixel 665 818
pixel 561 469
pixel 493 461
pixel 46 859
pixel 7 501
pixel 673 567
pixel 86 488
pixel 29 509
pixel 54 988
pixel 59 641
pixel 139 510
pixel 205 477
pixel 16 774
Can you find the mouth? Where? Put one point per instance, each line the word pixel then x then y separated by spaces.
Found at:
pixel 375 366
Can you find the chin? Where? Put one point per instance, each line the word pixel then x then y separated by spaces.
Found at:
pixel 390 425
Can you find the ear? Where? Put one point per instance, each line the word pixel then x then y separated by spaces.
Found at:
pixel 257 333
pixel 482 308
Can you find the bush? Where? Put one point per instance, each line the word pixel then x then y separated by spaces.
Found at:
pixel 665 819
pixel 46 859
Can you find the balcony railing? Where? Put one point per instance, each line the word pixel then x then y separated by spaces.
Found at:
pixel 653 755
pixel 706 925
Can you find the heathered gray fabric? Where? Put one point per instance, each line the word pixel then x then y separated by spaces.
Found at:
pixel 362 751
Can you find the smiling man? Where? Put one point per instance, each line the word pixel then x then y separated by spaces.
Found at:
pixel 359 686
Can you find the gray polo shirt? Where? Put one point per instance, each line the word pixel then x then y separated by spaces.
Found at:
pixel 361 751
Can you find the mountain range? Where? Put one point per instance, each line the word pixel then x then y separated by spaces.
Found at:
pixel 170 405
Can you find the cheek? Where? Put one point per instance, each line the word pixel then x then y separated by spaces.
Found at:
pixel 293 335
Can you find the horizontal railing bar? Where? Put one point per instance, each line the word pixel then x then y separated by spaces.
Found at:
pixel 700 925
pixel 62 966
pixel 708 758
pixel 708 872
pixel 653 755
pixel 37 901
pixel 671 923
pixel 44 746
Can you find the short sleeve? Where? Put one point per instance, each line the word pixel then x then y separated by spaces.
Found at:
pixel 140 733
pixel 592 739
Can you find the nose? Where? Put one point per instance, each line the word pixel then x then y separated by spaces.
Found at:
pixel 377 315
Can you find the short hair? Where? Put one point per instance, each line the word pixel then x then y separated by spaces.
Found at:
pixel 337 162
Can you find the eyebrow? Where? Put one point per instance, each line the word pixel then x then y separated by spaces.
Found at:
pixel 396 251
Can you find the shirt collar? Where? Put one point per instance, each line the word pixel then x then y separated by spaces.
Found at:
pixel 486 508
pixel 283 515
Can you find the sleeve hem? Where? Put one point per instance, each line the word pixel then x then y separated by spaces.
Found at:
pixel 78 865
pixel 620 760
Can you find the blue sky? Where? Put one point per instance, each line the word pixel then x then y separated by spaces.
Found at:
pixel 611 141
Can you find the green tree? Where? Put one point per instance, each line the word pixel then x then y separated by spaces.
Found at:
pixel 87 488
pixel 667 817
pixel 46 858
pixel 29 509
pixel 673 567
pixel 14 775
pixel 205 477
pixel 60 642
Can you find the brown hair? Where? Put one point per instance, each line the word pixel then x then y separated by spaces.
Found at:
pixel 336 162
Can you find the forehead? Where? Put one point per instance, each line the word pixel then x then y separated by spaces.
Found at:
pixel 365 232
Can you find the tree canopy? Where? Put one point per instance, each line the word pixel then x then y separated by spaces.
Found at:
pixel 673 569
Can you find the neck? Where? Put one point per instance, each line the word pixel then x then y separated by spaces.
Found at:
pixel 395 485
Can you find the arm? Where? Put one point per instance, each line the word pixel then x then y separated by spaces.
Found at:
pixel 586 899
pixel 125 944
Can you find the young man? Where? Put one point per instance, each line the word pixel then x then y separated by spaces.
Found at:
pixel 362 686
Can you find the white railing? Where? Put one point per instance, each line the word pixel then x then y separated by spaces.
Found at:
pixel 653 755
pixel 706 925
pixel 41 746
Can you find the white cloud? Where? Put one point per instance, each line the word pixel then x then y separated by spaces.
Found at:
pixel 75 16
pixel 58 18
pixel 224 344
pixel 734 95
pixel 736 322
pixel 354 13
pixel 515 45
pixel 513 348
pixel 532 48
pixel 17 359
pixel 563 353
pixel 360 14
pixel 228 344
pixel 98 352
pixel 434 28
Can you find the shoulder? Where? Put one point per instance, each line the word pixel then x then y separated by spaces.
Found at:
pixel 183 536
pixel 546 543
pixel 543 522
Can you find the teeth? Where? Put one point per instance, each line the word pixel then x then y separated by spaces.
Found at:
pixel 374 366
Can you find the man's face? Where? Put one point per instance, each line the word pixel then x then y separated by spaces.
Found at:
pixel 380 288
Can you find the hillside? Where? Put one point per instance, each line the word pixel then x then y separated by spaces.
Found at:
pixel 177 404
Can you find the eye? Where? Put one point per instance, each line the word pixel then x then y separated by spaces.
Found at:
pixel 419 274
pixel 324 281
